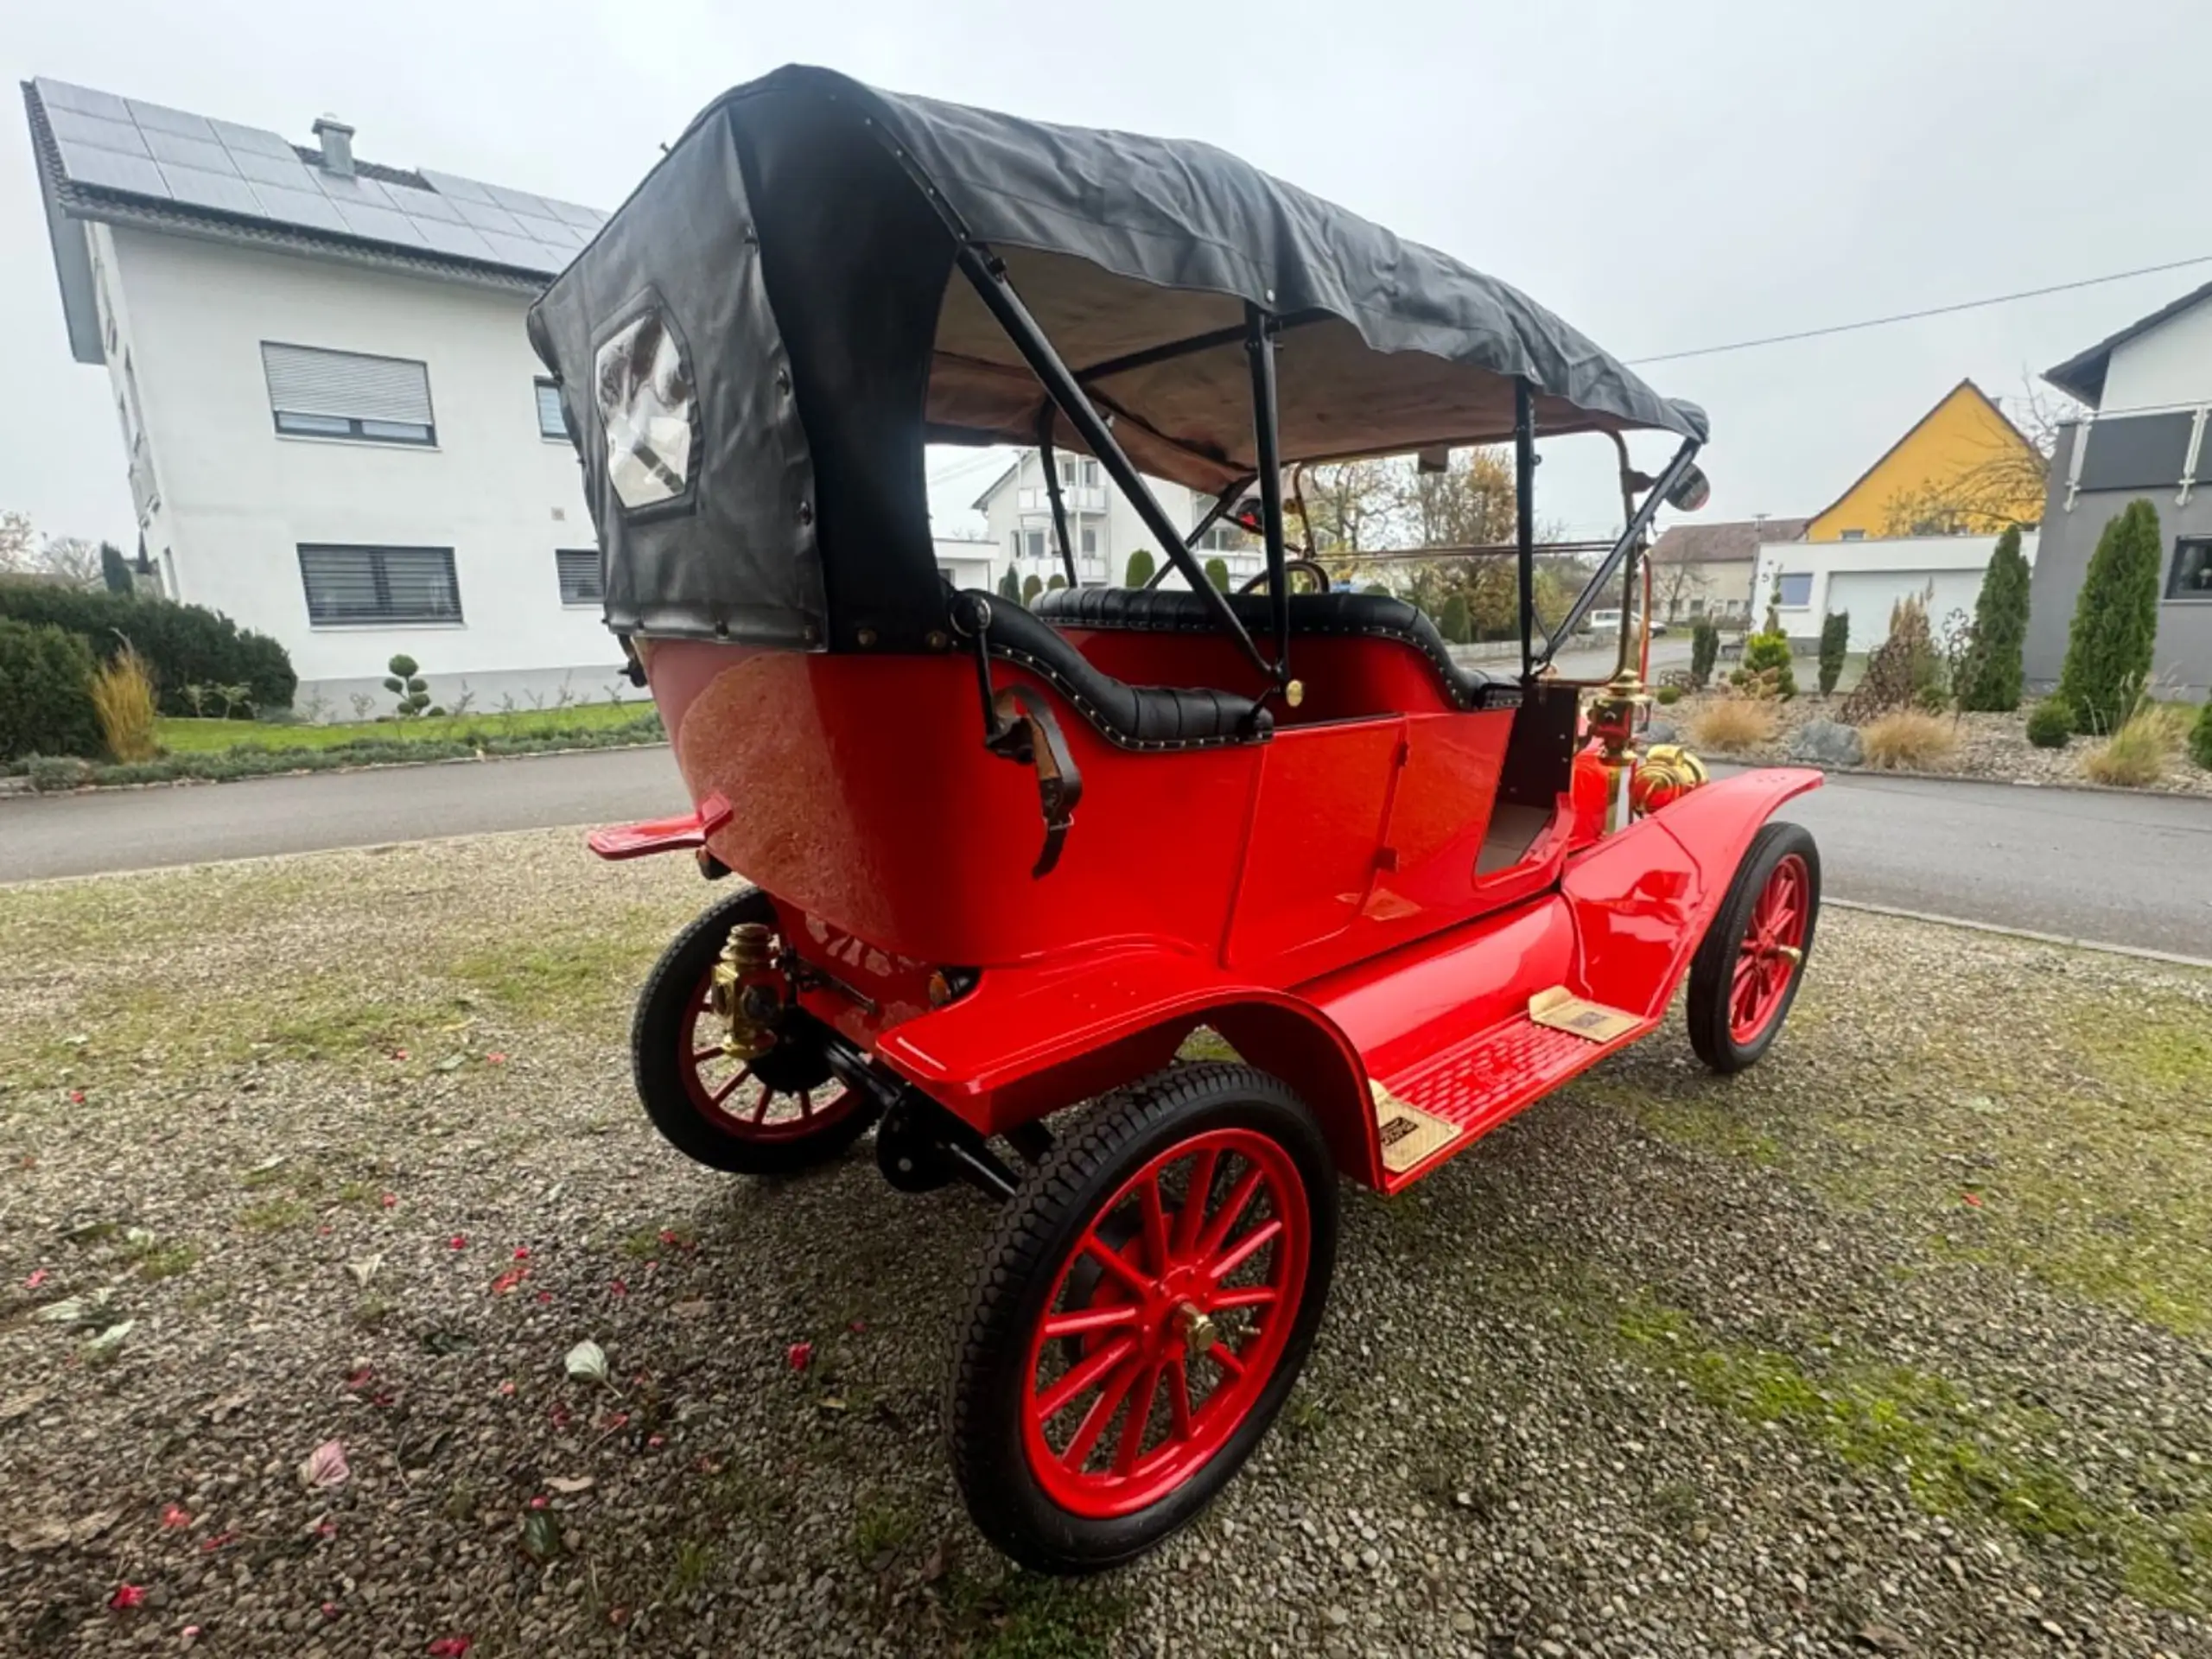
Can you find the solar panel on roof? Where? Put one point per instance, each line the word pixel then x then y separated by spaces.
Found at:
pixel 521 251
pixel 155 117
pixel 381 225
pixel 252 141
pixel 307 208
pixel 111 171
pixel 460 189
pixel 586 219
pixel 486 217
pixel 346 190
pixel 428 204
pixel 286 170
pixel 203 153
pixel 455 240
pixel 224 192
pixel 61 95
pixel 77 128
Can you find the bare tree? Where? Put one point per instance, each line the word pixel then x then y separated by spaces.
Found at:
pixel 1675 582
pixel 73 559
pixel 18 545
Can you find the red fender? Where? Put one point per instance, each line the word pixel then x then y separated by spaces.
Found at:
pixel 1031 1040
pixel 1641 900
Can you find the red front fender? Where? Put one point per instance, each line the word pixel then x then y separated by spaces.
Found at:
pixel 1641 900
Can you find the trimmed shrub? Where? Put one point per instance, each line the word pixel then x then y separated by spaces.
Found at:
pixel 183 645
pixel 1733 724
pixel 405 683
pixel 1010 585
pixel 1056 584
pixel 1835 644
pixel 2200 737
pixel 123 696
pixel 1902 669
pixel 46 692
pixel 1139 569
pixel 1705 651
pixel 2051 724
pixel 1767 670
pixel 1668 696
pixel 1452 624
pixel 2135 756
pixel 1993 678
pixel 1910 740
pixel 1217 574
pixel 1031 585
pixel 2115 623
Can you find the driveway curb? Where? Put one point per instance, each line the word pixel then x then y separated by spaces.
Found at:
pixel 2141 953
pixel 7 794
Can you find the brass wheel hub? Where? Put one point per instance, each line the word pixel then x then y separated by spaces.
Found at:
pixel 1197 1330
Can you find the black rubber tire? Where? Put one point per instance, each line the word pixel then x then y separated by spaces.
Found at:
pixel 657 1042
pixel 1712 969
pixel 1015 1280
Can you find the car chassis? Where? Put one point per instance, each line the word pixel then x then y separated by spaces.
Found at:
pixel 1008 864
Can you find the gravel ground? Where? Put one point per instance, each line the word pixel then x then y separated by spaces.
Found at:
pixel 1990 746
pixel 1899 1343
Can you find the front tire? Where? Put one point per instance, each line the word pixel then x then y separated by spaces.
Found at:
pixel 1747 970
pixel 783 1113
pixel 1140 1315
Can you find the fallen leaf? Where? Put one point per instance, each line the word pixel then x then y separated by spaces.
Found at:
pixel 933 1563
pixel 388 1200
pixel 570 1485
pixel 450 1647
pixel 458 1241
pixel 138 1238
pixel 522 1252
pixel 586 1361
pixel 215 1543
pixel 540 1536
pixel 359 1377
pixel 799 1354
pixel 52 1535
pixel 176 1514
pixel 325 1466
pixel 496 1058
pixel 364 1268
pixel 111 1338
pixel 126 1596
pixel 451 1063
pixel 72 1310
pixel 37 1278
pixel 507 1280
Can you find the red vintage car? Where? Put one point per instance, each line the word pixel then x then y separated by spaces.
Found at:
pixel 1004 862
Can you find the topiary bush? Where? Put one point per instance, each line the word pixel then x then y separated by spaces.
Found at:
pixel 1031 585
pixel 183 645
pixel 1139 569
pixel 2051 724
pixel 46 692
pixel 1668 696
pixel 1217 574
pixel 1835 644
pixel 1904 671
pixel 1452 624
pixel 1010 585
pixel 1705 651
pixel 405 681
pixel 1992 676
pixel 2115 623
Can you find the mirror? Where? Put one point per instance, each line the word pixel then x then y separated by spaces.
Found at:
pixel 1692 490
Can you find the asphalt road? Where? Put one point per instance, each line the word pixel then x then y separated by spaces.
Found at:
pixel 2121 869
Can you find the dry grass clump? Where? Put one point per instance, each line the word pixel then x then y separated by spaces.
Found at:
pixel 1907 741
pixel 1733 724
pixel 123 696
pixel 2136 755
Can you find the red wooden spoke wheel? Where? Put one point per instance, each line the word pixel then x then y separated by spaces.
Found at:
pixel 1141 1316
pixel 1747 970
pixel 780 1112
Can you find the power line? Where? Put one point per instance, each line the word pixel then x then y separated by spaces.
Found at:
pixel 1915 316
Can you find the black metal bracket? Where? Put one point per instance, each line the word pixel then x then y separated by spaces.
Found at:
pixel 1020 726
pixel 919 1146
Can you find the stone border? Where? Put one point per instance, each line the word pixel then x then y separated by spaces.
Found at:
pixel 2141 953
pixel 18 788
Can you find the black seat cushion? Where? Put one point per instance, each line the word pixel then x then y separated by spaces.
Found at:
pixel 1134 716
pixel 1378 616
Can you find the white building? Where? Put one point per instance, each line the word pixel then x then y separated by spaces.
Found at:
pixel 1809 582
pixel 334 429
pixel 1103 530
pixel 968 565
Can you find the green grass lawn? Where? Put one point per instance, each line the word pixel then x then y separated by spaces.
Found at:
pixel 185 736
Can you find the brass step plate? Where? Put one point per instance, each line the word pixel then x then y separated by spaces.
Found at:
pixel 1409 1134
pixel 1562 1010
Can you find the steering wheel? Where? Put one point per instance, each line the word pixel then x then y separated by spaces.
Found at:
pixel 1290 568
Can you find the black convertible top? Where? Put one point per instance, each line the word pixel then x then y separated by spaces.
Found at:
pixel 800 239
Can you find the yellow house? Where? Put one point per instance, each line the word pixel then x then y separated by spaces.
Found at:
pixel 1963 470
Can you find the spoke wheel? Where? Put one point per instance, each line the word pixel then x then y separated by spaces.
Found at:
pixel 1143 1312
pixel 1747 971
pixel 779 1112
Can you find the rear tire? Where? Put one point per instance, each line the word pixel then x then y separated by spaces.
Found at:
pixel 788 1113
pixel 1123 1253
pixel 1743 980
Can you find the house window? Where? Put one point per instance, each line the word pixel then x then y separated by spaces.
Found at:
pixel 1067 471
pixel 2191 576
pixel 1794 592
pixel 1089 541
pixel 1036 544
pixel 550 423
pixel 318 394
pixel 581 581
pixel 1855 535
pixel 1090 475
pixel 1697 607
pixel 379 585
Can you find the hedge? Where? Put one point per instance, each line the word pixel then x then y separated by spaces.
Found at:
pixel 46 692
pixel 186 644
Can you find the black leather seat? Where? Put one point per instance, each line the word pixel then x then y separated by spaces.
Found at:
pixel 1133 717
pixel 1376 616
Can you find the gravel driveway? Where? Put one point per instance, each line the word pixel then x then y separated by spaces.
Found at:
pixel 1900 1343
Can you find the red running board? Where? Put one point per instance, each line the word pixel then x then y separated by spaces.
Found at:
pixel 683 834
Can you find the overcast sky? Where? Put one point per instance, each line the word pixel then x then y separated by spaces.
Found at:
pixel 1664 176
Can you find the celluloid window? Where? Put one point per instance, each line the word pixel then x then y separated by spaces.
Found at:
pixel 647 407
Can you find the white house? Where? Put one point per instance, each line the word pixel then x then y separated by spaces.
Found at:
pixel 969 564
pixel 1809 582
pixel 1103 529
pixel 334 429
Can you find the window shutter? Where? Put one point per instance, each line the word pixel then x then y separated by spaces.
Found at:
pixel 380 584
pixel 303 380
pixel 580 583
